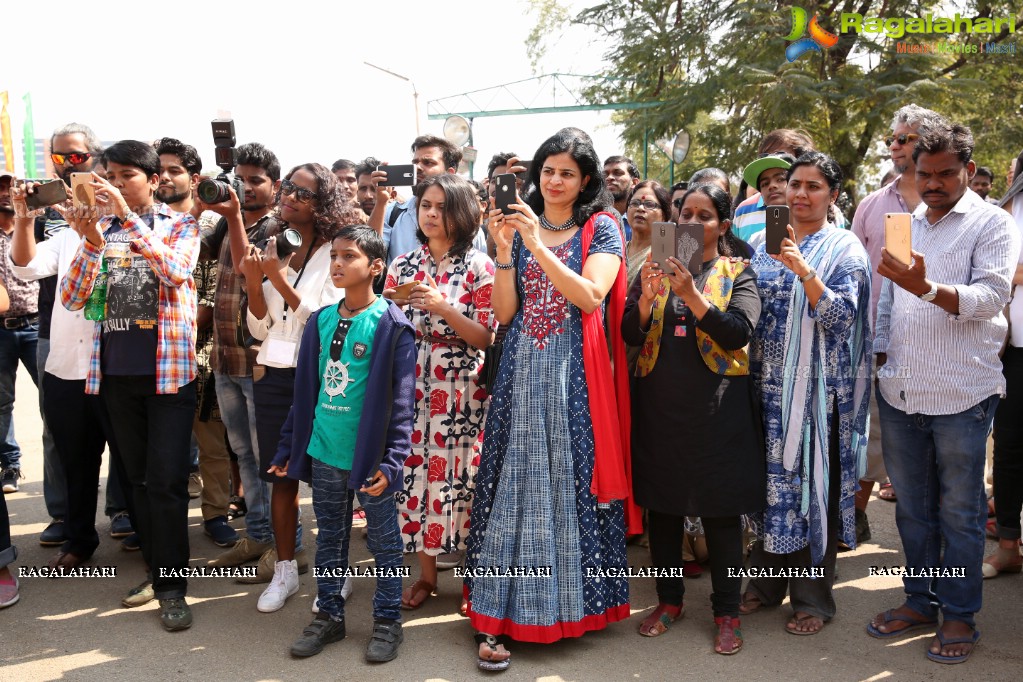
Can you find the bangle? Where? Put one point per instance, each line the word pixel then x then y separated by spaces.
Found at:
pixel 504 266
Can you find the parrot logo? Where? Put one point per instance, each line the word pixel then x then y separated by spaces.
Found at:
pixel 819 38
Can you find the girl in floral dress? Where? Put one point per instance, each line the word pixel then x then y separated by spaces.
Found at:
pixel 449 304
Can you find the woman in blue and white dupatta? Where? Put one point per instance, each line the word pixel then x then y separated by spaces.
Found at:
pixel 809 358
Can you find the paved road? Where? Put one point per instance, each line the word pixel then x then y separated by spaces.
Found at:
pixel 75 629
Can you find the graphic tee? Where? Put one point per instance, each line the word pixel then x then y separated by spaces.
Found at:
pixel 133 302
pixel 345 348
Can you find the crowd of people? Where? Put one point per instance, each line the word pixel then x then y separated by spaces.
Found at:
pixel 520 391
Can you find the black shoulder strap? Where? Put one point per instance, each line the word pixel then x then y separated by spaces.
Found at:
pixel 395 214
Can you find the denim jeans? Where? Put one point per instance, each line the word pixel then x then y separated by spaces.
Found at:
pixel 332 503
pixel 238 411
pixel 15 345
pixel 54 478
pixel 936 463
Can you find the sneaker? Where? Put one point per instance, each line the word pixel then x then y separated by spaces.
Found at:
pixel 221 533
pixel 132 543
pixel 53 534
pixel 9 592
pixel 267 565
pixel 194 485
pixel 346 592
pixel 175 614
pixel 321 632
pixel 120 525
pixel 387 636
pixel 449 560
pixel 862 527
pixel 139 595
pixel 244 550
pixel 9 479
pixel 283 585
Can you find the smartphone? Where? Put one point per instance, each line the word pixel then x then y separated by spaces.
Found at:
pixel 777 228
pixel 504 192
pixel 46 194
pixel 401 175
pixel 82 191
pixel 662 244
pixel 403 291
pixel 898 236
pixel 527 164
pixel 689 246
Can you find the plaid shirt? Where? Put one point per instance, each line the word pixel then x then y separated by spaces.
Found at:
pixel 172 249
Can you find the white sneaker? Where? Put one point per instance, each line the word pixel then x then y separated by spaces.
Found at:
pixel 282 585
pixel 346 591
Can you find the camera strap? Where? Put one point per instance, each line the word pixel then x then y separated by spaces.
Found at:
pixel 308 255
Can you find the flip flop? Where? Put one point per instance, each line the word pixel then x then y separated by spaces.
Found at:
pixel 887 492
pixel 750 603
pixel 802 619
pixel 417 587
pixel 915 623
pixel 938 658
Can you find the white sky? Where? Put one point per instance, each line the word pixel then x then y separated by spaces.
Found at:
pixel 290 72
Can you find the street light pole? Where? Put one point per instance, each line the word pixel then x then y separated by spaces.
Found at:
pixel 415 93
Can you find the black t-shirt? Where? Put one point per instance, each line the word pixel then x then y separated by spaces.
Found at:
pixel 133 302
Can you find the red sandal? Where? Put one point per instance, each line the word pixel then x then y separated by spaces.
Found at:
pixel 658 622
pixel 729 638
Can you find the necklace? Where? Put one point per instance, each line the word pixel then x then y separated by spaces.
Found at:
pixel 351 311
pixel 567 225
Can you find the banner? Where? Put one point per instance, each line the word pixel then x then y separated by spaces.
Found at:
pixel 5 131
pixel 29 139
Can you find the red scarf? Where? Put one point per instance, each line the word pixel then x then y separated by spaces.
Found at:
pixel 610 411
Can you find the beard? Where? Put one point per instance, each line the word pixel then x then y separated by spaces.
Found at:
pixel 620 196
pixel 168 196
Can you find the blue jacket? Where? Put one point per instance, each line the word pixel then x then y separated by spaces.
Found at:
pixel 384 438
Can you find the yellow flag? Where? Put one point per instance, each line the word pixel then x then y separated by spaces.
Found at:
pixel 5 130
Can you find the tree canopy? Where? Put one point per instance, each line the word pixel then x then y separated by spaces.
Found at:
pixel 719 70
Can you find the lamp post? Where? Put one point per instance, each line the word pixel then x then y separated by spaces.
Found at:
pixel 415 93
pixel 458 131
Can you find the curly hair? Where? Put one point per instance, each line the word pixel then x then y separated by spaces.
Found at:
pixel 334 208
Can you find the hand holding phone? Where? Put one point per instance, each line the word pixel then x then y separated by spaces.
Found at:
pixel 504 192
pixel 402 175
pixel 776 228
pixel 662 245
pixel 45 194
pixel 898 236
pixel 82 191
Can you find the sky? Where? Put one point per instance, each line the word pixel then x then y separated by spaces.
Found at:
pixel 291 74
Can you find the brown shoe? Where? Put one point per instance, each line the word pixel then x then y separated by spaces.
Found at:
pixel 267 562
pixel 67 561
pixel 245 550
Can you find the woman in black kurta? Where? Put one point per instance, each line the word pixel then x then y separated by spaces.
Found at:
pixel 696 439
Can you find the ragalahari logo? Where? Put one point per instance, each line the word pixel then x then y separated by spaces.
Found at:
pixel 819 38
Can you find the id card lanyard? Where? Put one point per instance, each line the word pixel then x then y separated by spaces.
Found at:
pixel 308 255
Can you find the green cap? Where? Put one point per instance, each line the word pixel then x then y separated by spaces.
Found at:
pixel 752 172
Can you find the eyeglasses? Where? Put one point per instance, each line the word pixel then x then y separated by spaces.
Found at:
pixel 901 139
pixel 647 204
pixel 301 193
pixel 73 158
pixel 677 203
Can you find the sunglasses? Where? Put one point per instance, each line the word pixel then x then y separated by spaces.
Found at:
pixel 74 158
pixel 647 204
pixel 301 193
pixel 901 139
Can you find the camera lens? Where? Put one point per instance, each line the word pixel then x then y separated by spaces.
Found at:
pixel 213 191
pixel 288 241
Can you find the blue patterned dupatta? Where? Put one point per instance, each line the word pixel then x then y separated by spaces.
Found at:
pixel 804 398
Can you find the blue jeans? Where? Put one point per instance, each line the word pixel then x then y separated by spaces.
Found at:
pixel 936 463
pixel 332 503
pixel 238 411
pixel 15 345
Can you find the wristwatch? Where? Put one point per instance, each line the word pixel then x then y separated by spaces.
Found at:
pixel 930 295
pixel 808 276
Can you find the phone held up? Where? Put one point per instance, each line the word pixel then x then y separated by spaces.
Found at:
pixel 776 228
pixel 898 236
pixel 504 194
pixel 46 194
pixel 82 191
pixel 401 175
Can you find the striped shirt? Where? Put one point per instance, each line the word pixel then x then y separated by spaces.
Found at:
pixel 171 247
pixel 939 363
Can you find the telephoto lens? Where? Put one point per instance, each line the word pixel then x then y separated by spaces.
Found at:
pixel 288 241
pixel 213 191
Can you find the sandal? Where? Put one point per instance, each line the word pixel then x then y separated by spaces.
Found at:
pixel 913 620
pixel 67 561
pixel 491 664
pixel 887 492
pixel 798 620
pixel 944 641
pixel 658 622
pixel 417 587
pixel 1002 561
pixel 750 603
pixel 729 638
pixel 237 508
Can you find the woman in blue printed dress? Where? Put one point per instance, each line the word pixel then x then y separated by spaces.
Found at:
pixel 554 469
pixel 809 361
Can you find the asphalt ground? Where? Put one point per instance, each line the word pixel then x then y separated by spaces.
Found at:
pixel 76 629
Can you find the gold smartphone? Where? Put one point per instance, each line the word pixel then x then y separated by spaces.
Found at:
pixel 403 291
pixel 898 236
pixel 82 191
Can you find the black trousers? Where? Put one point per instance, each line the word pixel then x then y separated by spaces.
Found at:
pixel 1008 460
pixel 153 434
pixel 724 545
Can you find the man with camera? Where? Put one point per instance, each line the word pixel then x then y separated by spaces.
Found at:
pixel 246 219
pixel 133 267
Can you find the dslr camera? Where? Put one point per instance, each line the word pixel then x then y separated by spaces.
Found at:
pixel 216 191
pixel 288 241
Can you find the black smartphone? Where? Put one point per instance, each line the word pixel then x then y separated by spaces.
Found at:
pixel 47 194
pixel 776 229
pixel 527 164
pixel 504 192
pixel 662 245
pixel 402 175
pixel 689 246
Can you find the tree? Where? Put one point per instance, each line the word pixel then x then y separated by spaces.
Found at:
pixel 720 72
